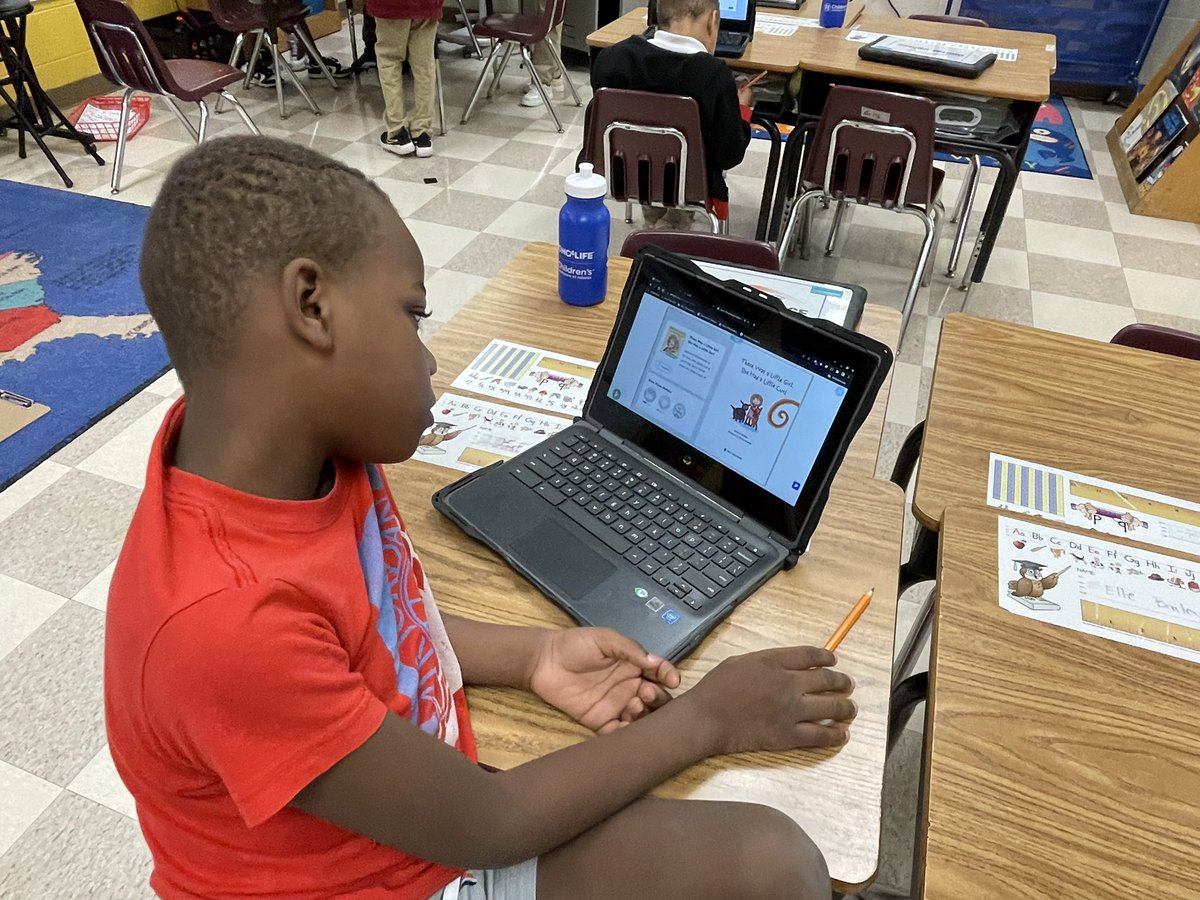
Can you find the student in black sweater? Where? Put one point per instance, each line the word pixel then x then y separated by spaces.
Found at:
pixel 679 60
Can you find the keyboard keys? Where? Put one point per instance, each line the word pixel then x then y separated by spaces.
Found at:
pixel 635 555
pixel 702 583
pixel 641 522
pixel 620 527
pixel 635 536
pixel 663 555
pixel 649 567
pixel 595 508
pixel 679 566
pixel 608 517
pixel 726 545
pixel 549 494
pixel 708 551
pixel 712 535
pixel 609 538
pixel 526 477
pixel 745 558
pixel 649 546
pixel 735 569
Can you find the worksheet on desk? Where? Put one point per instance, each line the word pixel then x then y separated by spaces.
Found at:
pixel 1125 594
pixel 1093 503
pixel 549 381
pixel 947 50
pixel 468 434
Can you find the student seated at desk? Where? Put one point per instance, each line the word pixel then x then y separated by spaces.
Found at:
pixel 282 697
pixel 679 60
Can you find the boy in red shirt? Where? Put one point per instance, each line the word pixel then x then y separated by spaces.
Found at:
pixel 282 697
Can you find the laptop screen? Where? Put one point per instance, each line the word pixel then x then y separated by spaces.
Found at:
pixel 752 403
pixel 733 11
pixel 757 413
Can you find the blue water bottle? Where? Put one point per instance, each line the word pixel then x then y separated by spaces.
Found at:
pixel 833 13
pixel 583 228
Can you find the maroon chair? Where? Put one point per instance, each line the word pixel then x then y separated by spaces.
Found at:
pixel 244 17
pixel 649 146
pixel 737 251
pixel 1160 339
pixel 516 31
pixel 129 58
pixel 874 148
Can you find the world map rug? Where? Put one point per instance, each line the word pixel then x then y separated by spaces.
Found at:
pixel 76 339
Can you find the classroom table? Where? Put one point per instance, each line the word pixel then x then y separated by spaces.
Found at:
pixel 1095 408
pixel 767 52
pixel 1021 84
pixel 835 796
pixel 1060 764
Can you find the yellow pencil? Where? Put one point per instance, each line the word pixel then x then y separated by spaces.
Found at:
pixel 855 614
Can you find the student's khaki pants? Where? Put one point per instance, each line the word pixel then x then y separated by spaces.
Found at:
pixel 543 60
pixel 398 40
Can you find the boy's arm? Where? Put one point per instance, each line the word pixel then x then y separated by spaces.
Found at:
pixel 494 654
pixel 409 790
pixel 726 147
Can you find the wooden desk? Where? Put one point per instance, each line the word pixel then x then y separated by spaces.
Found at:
pixel 1061 764
pixel 782 55
pixel 834 796
pixel 1026 78
pixel 1097 409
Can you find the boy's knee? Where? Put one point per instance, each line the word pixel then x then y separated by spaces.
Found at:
pixel 780 861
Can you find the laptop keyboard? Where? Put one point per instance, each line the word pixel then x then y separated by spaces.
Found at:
pixel 692 551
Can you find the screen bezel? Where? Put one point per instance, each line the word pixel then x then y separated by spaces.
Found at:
pixel 768 324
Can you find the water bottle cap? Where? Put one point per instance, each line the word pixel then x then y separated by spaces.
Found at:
pixel 586 184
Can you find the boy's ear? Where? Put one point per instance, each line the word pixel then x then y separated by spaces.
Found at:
pixel 307 306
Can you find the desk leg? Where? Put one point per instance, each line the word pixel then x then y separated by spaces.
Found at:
pixel 771 180
pixel 1006 182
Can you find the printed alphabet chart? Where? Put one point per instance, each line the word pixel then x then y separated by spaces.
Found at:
pixel 531 377
pixel 1094 504
pixel 1125 594
pixel 469 434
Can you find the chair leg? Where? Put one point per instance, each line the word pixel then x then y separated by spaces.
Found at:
pixel 914 286
pixel 305 37
pixel 233 61
pixel 714 222
pixel 181 116
pixel 483 73
pixel 283 67
pixel 499 69
pixel 628 212
pixel 462 9
pixel 241 111
pixel 258 42
pixel 939 213
pixel 962 213
pixel 789 228
pixel 203 130
pixel 962 205
pixel 838 213
pixel 565 74
pixel 537 82
pixel 441 97
pixel 806 224
pixel 123 127
pixel 353 35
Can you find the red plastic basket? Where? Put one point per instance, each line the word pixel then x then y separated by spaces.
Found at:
pixel 139 115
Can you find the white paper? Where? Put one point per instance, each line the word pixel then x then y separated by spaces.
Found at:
pixel 1124 594
pixel 809 298
pixel 948 50
pixel 96 115
pixel 549 381
pixel 782 26
pixel 1092 503
pixel 468 434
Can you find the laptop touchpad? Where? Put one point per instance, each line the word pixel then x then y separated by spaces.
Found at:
pixel 562 559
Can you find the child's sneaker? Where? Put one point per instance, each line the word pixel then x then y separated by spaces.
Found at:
pixel 424 144
pixel 336 69
pixel 399 143
pixel 533 97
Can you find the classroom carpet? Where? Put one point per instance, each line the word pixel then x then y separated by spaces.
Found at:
pixel 76 340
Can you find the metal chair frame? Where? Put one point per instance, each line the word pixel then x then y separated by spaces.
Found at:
pixel 930 219
pixel 198 134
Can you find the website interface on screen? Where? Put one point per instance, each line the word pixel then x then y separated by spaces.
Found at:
pixel 760 415
pixel 734 10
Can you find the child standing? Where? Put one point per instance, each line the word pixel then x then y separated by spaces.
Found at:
pixel 406 31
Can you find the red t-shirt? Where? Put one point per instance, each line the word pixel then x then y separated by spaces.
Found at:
pixel 251 644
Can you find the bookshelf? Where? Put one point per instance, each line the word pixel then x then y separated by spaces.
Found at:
pixel 1155 145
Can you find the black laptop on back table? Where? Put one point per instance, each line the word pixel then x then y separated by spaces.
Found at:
pixel 735 31
pixel 700 466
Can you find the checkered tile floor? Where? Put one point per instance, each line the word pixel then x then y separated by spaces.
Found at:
pixel 1070 258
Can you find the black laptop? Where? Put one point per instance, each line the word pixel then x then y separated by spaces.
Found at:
pixel 736 28
pixel 700 466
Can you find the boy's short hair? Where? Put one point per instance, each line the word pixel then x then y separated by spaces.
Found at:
pixel 676 10
pixel 235 209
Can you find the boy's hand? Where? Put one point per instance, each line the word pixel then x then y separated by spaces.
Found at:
pixel 745 95
pixel 776 699
pixel 599 677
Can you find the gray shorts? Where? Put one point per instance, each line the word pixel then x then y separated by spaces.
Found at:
pixel 517 882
